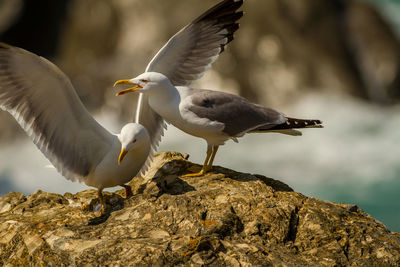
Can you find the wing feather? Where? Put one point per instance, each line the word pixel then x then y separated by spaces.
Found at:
pixel 204 38
pixel 43 101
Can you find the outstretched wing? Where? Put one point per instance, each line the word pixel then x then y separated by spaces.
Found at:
pixel 190 53
pixel 154 124
pixel 43 101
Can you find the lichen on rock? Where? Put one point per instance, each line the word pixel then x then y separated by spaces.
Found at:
pixel 224 218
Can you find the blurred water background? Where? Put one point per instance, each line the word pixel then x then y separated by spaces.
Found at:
pixel 335 60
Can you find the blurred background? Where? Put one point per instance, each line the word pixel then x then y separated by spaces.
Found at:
pixel 334 60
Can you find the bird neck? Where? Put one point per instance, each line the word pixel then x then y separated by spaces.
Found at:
pixel 167 94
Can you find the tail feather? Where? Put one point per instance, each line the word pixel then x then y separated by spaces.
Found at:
pixel 289 126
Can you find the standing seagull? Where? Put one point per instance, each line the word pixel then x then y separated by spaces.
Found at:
pixel 186 57
pixel 211 115
pixel 45 104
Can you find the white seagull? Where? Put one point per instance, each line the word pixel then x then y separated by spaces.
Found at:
pixel 211 115
pixel 186 57
pixel 45 104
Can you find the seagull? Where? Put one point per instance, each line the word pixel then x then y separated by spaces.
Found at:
pixel 212 115
pixel 45 104
pixel 186 57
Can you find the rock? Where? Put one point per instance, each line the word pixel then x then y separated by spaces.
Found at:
pixel 224 218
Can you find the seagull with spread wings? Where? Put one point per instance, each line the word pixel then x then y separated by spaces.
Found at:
pixel 186 57
pixel 45 104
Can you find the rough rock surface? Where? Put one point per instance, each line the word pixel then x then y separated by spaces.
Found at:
pixel 222 219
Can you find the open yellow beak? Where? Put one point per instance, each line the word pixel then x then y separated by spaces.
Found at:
pixel 122 155
pixel 129 90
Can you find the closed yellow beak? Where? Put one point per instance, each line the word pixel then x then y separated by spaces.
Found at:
pixel 129 90
pixel 122 155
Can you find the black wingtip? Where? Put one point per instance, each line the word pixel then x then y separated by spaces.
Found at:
pixel 224 14
pixel 228 17
pixel 241 14
pixel 220 9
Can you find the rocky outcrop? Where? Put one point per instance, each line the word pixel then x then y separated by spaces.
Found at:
pixel 224 218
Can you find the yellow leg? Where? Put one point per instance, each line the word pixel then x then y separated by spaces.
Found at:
pixel 128 191
pixel 204 169
pixel 214 152
pixel 100 195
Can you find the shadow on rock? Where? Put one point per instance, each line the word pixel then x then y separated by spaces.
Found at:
pixel 168 180
pixel 99 220
pixel 114 202
pixel 241 177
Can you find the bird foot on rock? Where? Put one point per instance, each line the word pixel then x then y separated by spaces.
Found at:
pixel 197 174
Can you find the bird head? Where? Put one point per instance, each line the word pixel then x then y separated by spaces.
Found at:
pixel 147 81
pixel 132 136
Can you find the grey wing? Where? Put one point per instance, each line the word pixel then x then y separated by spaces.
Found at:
pixel 237 113
pixel 154 124
pixel 190 52
pixel 43 101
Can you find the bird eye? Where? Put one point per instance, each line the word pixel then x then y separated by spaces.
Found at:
pixel 143 80
pixel 134 141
